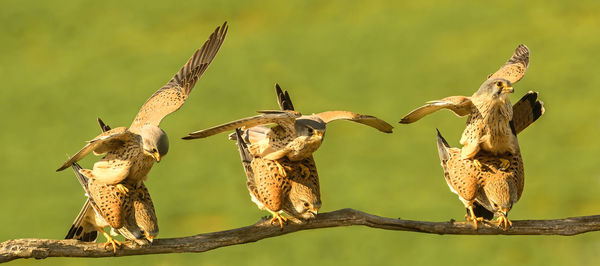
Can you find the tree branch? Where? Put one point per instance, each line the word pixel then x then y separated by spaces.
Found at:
pixel 43 248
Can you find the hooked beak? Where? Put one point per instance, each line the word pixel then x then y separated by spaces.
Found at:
pixel 150 238
pixel 508 89
pixel 157 156
pixel 319 134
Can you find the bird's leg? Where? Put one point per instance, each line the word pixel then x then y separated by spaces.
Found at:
pixel 473 218
pixel 504 164
pixel 122 188
pixel 280 169
pixel 304 170
pixel 277 217
pixel 503 220
pixel 477 164
pixel 111 241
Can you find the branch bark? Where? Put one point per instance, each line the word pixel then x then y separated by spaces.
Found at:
pixel 43 248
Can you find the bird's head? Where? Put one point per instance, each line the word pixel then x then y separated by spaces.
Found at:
pixel 502 194
pixel 312 127
pixel 155 142
pixel 305 201
pixel 495 89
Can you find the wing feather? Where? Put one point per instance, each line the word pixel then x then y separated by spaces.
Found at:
pixel 283 118
pixel 514 69
pixel 172 96
pixel 460 105
pixel 358 118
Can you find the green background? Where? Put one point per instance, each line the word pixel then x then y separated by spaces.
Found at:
pixel 64 63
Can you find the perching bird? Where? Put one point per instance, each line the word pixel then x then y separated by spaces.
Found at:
pixel 490 185
pixel 296 194
pixel 489 109
pixel 131 215
pixel 295 136
pixel 131 152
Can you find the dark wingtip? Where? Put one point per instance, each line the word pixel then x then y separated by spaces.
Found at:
pixel 188 137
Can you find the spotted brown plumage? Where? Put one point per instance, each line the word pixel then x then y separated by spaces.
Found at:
pixel 131 152
pixel 489 185
pixel 295 137
pixel 129 214
pixel 297 193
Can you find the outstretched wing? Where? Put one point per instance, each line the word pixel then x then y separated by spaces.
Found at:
pixel 283 99
pixel 514 69
pixel 283 118
pixel 368 120
pixel 103 143
pixel 526 111
pixel 171 97
pixel 460 105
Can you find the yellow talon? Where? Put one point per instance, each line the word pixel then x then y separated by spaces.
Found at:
pixel 477 163
pixel 279 218
pixel 473 218
pixel 281 169
pixel 504 220
pixel 504 164
pixel 122 188
pixel 111 241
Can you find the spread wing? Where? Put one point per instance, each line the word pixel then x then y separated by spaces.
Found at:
pixel 460 105
pixel 514 69
pixel 171 97
pixel 283 118
pixel 358 118
pixel 103 143
pixel 526 111
pixel 283 99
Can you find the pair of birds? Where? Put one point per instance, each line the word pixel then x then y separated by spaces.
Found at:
pixel 281 173
pixel 487 172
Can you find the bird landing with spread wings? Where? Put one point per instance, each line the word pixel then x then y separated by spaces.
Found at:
pixel 131 152
pixel 294 136
pixel 490 122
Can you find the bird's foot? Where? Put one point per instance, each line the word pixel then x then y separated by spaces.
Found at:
pixel 473 218
pixel 477 164
pixel 279 218
pixel 280 169
pixel 122 188
pixel 504 164
pixel 305 171
pixel 111 242
pixel 503 220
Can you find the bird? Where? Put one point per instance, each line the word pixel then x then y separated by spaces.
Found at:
pixel 131 152
pixel 295 136
pixel 131 215
pixel 296 194
pixel 490 185
pixel 489 109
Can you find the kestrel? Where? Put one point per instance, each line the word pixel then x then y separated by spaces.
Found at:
pixel 131 152
pixel 489 109
pixel 296 193
pixel 295 136
pixel 131 215
pixel 490 185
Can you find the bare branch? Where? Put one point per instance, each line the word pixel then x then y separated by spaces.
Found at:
pixel 43 248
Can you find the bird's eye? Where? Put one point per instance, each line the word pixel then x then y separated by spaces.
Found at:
pixel 154 150
pixel 306 204
pixel 310 130
pixel 495 205
pixel 499 84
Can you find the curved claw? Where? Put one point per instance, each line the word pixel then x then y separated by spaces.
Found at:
pixel 504 220
pixel 305 171
pixel 473 218
pixel 111 241
pixel 122 188
pixel 277 217
pixel 280 169
pixel 477 164
pixel 504 164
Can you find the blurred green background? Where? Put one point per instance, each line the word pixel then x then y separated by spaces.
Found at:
pixel 64 63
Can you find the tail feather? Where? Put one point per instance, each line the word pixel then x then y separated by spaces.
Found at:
pixel 526 111
pixel 104 127
pixel 481 211
pixel 283 99
pixel 81 230
pixel 443 146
